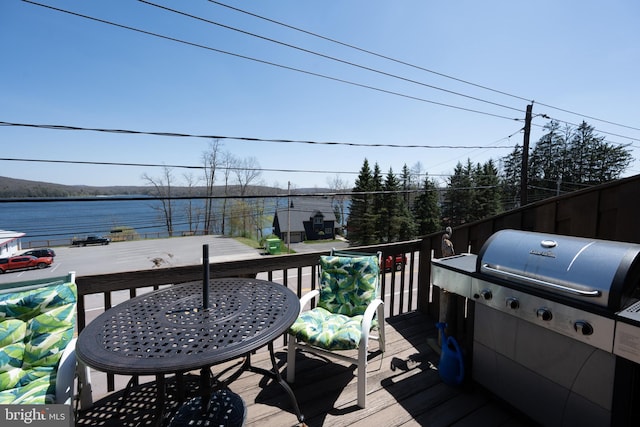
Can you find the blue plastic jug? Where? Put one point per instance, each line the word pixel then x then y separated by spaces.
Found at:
pixel 451 367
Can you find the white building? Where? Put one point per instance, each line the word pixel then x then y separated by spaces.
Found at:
pixel 9 242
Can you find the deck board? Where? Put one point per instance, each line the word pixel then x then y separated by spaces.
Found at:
pixel 404 390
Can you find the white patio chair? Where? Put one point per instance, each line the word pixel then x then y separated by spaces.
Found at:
pixel 348 314
pixel 38 345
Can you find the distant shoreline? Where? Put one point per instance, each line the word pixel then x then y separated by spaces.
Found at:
pixel 20 188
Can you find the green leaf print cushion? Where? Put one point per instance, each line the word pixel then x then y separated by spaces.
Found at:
pixel 348 284
pixel 12 332
pixel 35 327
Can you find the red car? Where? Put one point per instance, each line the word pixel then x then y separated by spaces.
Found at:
pixel 400 259
pixel 21 262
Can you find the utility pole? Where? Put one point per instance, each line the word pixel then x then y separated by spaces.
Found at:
pixel 524 170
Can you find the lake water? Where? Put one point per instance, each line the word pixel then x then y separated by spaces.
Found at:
pixel 56 223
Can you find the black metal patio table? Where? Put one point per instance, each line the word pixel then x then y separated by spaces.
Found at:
pixel 171 331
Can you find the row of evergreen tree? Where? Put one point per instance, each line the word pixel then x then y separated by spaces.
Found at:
pixel 564 159
pixel 399 207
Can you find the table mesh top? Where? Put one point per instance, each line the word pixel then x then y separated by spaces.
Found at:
pixel 169 329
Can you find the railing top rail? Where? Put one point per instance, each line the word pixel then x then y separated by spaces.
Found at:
pixel 143 278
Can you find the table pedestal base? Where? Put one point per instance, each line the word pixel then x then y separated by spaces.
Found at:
pixel 275 375
pixel 210 384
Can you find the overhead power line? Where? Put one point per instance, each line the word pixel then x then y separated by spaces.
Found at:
pixel 592 118
pixel 240 138
pixel 333 58
pixel 336 59
pixel 390 74
pixel 152 165
pixel 398 61
pixel 330 77
pixel 379 55
pixel 80 162
pixel 284 194
pixel 274 64
pixel 575 125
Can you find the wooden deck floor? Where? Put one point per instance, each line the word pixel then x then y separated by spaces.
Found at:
pixel 404 390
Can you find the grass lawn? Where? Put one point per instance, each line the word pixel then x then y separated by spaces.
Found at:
pixel 256 245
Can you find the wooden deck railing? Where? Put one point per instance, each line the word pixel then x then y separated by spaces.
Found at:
pixel 401 290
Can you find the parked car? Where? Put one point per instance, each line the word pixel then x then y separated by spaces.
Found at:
pixel 21 262
pixel 400 259
pixel 38 253
pixel 91 240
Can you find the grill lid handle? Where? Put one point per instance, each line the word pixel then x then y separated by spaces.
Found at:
pixel 543 283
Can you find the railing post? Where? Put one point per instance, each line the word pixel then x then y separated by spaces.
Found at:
pixel 424 276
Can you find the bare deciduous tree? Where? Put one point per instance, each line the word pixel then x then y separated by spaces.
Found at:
pixel 228 164
pixel 247 171
pixel 339 201
pixel 192 210
pixel 162 190
pixel 211 162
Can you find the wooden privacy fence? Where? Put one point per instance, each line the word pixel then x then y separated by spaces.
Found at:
pixel 609 212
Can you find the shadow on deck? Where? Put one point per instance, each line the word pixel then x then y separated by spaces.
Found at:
pixel 404 390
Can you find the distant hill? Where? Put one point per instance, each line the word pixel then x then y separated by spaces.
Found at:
pixel 20 188
pixel 11 188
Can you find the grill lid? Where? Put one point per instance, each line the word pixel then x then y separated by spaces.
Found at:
pixel 600 272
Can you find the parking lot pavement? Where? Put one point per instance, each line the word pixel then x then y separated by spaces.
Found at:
pixel 137 255
pixel 319 246
pixel 151 253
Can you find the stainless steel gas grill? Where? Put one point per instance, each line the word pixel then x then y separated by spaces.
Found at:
pixel 556 325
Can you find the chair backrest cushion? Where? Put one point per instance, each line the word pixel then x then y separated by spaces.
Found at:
pixel 348 284
pixel 35 327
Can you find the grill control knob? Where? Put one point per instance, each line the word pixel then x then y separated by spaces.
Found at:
pixel 486 294
pixel 513 303
pixel 583 327
pixel 544 314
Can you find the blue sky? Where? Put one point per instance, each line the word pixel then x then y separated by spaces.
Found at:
pixel 60 69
